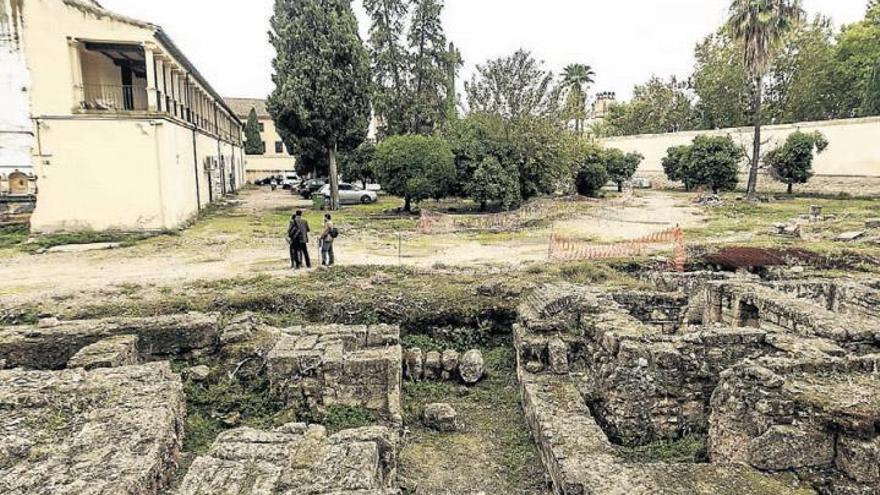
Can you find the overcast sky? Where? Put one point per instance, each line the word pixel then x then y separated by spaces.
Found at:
pixel 626 41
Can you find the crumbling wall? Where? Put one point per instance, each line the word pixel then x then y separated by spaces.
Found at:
pixel 325 365
pixel 817 418
pixel 666 310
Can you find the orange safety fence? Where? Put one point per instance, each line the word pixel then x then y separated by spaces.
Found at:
pixel 565 248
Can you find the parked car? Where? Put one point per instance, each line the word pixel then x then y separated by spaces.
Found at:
pixel 290 181
pixel 351 194
pixel 309 187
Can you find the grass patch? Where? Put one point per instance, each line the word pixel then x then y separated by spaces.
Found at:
pixel 689 449
pixel 13 235
pixel 125 239
pixel 338 418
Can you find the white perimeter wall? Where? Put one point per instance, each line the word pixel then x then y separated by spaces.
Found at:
pixel 854 148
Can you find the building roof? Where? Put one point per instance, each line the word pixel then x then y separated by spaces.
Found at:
pixel 242 107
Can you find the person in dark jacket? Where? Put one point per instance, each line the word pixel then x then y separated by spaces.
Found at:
pixel 298 233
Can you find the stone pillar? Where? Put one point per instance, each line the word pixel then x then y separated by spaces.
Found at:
pixel 76 73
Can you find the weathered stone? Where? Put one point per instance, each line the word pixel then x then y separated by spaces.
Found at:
pixel 851 236
pixel 557 352
pixel 51 322
pixel 433 366
pixel 440 417
pixel 33 347
pixel 534 367
pixel 859 459
pixel 296 460
pixel 78 432
pixel 111 352
pixel 413 363
pixel 784 447
pixel 449 359
pixel 198 373
pixel 83 248
pixel 471 367
pixel 872 223
pixel 326 365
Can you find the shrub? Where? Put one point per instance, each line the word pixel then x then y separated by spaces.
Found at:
pixel 415 168
pixel 792 163
pixel 711 161
pixel 591 177
pixel 621 167
pixel 492 183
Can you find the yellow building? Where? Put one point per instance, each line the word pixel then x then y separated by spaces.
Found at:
pixel 275 160
pixel 123 131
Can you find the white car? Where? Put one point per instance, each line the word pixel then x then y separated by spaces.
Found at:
pixel 350 194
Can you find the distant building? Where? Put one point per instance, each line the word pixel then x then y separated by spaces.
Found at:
pixel 601 104
pixel 116 127
pixel 275 160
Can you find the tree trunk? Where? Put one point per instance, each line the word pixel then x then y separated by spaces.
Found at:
pixel 334 180
pixel 752 189
pixel 790 189
pixel 482 206
pixel 407 204
pixel 620 186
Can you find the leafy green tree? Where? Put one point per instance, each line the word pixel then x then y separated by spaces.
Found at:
pixel 676 165
pixel 656 107
pixel 390 65
pixel 491 182
pixel 253 142
pixel 513 87
pixel 713 161
pixel 761 26
pixel 415 167
pixel 322 78
pixel 430 61
pixel 806 80
pixel 858 49
pixel 576 79
pixel 621 167
pixel 723 89
pixel 357 165
pixel 792 163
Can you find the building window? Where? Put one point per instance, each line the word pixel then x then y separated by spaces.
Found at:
pixel 279 147
pixel 264 148
pixel 262 127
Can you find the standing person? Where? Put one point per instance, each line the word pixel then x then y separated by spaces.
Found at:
pixel 300 241
pixel 326 241
pixel 293 246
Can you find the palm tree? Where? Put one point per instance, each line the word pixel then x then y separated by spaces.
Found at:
pixel 760 26
pixel 576 78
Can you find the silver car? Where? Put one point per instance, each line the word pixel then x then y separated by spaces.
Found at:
pixel 351 194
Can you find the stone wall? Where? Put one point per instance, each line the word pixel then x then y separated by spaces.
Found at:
pixel 77 432
pixel 325 365
pixel 815 417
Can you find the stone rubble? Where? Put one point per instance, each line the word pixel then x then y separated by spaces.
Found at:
pixel 111 352
pixel 78 432
pixel 447 366
pixel 471 367
pixel 440 417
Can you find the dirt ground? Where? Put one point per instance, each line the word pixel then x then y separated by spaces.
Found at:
pixel 249 239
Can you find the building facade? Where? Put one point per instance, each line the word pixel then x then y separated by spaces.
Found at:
pixel 275 159
pixel 114 124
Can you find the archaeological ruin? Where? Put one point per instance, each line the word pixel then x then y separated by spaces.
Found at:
pixel 775 381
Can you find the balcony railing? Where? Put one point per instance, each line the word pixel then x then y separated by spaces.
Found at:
pixel 113 98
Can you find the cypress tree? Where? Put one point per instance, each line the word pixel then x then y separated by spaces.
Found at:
pixel 430 63
pixel 390 64
pixel 322 78
pixel 253 144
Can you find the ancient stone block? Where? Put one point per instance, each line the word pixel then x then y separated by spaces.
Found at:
pixel 414 364
pixel 471 367
pixel 111 352
pixel 449 360
pixel 51 348
pixel 321 366
pixel 78 432
pixel 296 460
pixel 784 447
pixel 440 417
pixel 433 366
pixel 872 223
pixel 859 459
pixel 557 352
